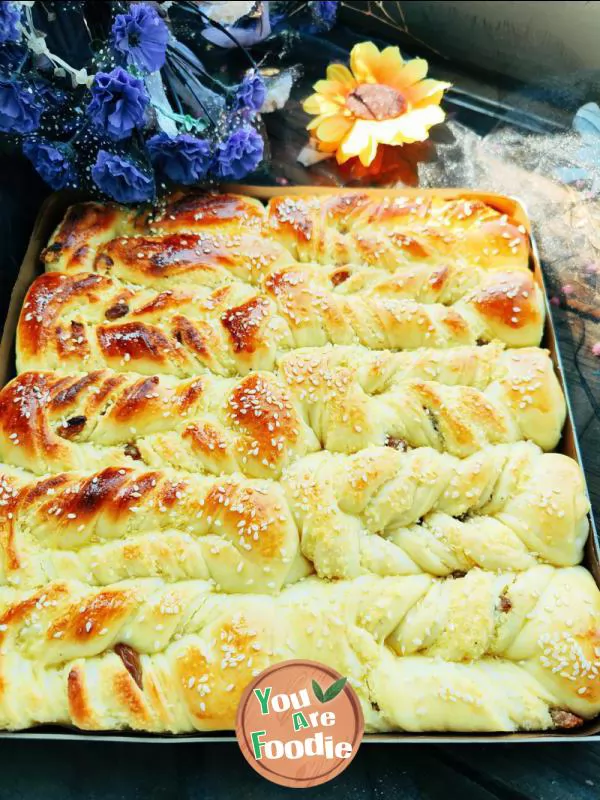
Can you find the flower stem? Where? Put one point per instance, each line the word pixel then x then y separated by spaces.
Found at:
pixel 22 62
pixel 177 70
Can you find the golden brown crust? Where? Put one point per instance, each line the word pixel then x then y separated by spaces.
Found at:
pixel 85 226
pixel 355 228
pixel 205 259
pixel 192 211
pixel 69 320
pixel 341 398
pixel 360 229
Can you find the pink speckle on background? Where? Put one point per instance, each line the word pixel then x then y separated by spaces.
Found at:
pixel 568 289
pixel 596 349
pixel 555 301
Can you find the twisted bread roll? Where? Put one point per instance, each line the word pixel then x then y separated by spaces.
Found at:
pixel 122 523
pixel 360 228
pixel 87 226
pixel 96 322
pixel 352 397
pixel 209 424
pixel 213 260
pixel 342 398
pixel 482 653
pixel 351 228
pixel 395 513
pixel 379 511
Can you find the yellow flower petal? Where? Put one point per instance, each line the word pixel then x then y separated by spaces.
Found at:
pixel 314 123
pixel 330 89
pixel 327 147
pixel 414 126
pixel 355 140
pixel 318 104
pixel 412 72
pixel 341 74
pixel 364 60
pixel 333 129
pixel 389 67
pixel 368 153
pixel 427 92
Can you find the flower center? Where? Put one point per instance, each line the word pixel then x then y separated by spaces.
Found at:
pixel 376 101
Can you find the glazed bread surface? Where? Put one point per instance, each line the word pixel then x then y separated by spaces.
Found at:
pixel 95 321
pixel 341 399
pixel 339 229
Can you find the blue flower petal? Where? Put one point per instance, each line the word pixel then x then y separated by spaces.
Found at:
pixel 121 179
pixel 10 22
pixel 183 158
pixel 118 103
pixel 140 37
pixel 240 153
pixel 20 106
pixel 587 120
pixel 52 161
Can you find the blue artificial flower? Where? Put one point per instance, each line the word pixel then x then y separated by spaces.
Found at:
pixel 52 162
pixel 587 158
pixel 251 93
pixel 20 107
pixel 324 13
pixel 118 103
pixel 240 153
pixel 10 22
pixel 182 158
pixel 121 179
pixel 141 37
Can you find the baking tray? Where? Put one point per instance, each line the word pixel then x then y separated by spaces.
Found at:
pixel 51 213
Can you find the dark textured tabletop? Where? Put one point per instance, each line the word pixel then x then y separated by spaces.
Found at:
pixel 501 136
pixel 98 771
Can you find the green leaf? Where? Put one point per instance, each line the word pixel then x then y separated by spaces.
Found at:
pixel 318 692
pixel 335 688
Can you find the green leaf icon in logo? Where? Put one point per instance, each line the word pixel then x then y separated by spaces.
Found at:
pixel 332 692
pixel 318 692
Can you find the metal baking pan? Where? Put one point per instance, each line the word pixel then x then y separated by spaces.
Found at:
pixel 51 213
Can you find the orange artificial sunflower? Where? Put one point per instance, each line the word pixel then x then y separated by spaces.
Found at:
pixel 381 99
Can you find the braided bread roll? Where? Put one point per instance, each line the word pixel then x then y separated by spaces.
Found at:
pixel 213 260
pixel 121 523
pixel 395 513
pixel 343 399
pixel 96 322
pixel 87 226
pixel 379 511
pixel 352 397
pixel 487 652
pixel 349 228
pixel 360 228
pixel 209 424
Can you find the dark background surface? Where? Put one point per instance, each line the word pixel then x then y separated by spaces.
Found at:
pixel 98 771
pixel 552 75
